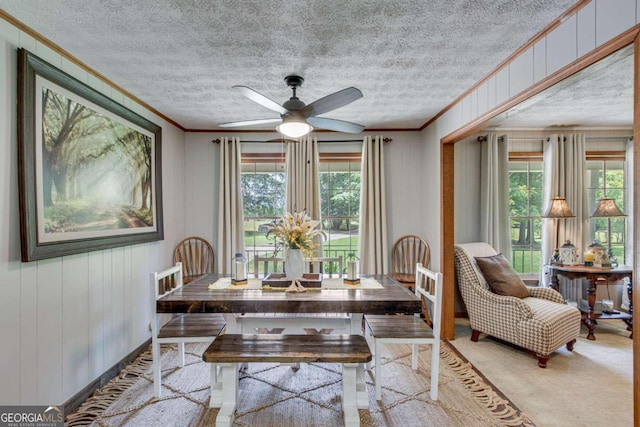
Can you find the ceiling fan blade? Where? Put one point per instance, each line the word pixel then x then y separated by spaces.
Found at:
pixel 261 99
pixel 249 123
pixel 333 124
pixel 331 102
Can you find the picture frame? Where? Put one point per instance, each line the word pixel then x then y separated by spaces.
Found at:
pixel 90 169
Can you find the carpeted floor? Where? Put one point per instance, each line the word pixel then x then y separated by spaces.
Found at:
pixel 590 386
pixel 273 395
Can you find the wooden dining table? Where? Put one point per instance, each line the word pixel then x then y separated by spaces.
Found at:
pixel 198 297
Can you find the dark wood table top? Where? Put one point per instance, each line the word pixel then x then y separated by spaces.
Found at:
pixel 196 297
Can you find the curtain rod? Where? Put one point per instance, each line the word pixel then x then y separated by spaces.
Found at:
pixel 483 138
pixel 279 141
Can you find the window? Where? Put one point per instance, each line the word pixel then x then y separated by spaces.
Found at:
pixel 263 192
pixel 525 206
pixel 340 202
pixel 606 178
pixel 263 196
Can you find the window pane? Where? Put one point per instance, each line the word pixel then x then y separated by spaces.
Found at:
pixel 606 178
pixel 525 205
pixel 263 193
pixel 340 193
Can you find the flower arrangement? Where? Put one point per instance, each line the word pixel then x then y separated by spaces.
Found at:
pixel 297 231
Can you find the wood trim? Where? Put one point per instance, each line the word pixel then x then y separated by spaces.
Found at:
pixel 636 230
pixel 263 157
pixel 543 33
pixel 280 157
pixel 525 156
pixel 314 131
pixel 605 155
pixel 592 57
pixel 51 45
pixel 80 397
pixel 447 236
pixel 340 157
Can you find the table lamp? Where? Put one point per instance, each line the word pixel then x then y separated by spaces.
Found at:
pixel 607 208
pixel 558 209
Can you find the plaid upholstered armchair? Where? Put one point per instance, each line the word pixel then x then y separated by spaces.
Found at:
pixel 540 322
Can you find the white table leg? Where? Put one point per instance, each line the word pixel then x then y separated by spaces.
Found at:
pixel 349 394
pixel 356 323
pixel 232 324
pixel 226 394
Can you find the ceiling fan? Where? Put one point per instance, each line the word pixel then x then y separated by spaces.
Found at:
pixel 298 119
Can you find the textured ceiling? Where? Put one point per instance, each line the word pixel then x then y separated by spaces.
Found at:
pixel 598 96
pixel 410 58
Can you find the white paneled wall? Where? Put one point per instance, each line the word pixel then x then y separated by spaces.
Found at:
pixel 68 320
pixel 596 23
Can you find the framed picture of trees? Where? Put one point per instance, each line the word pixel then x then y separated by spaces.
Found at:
pixel 89 168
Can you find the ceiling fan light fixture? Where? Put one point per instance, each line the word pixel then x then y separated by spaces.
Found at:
pixel 294 127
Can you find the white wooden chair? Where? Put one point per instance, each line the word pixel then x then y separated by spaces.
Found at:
pixel 192 327
pixel 410 329
pixel 327 266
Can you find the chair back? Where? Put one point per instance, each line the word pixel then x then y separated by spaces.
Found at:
pixel 408 251
pixel 274 261
pixel 196 255
pixel 167 280
pixel 327 266
pixel 428 287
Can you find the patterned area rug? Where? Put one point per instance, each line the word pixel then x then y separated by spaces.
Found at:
pixel 275 395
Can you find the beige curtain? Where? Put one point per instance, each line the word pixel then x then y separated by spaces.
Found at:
pixel 564 176
pixel 494 197
pixel 303 180
pixel 230 215
pixel 373 216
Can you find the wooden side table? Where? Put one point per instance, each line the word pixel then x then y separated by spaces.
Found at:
pixel 592 274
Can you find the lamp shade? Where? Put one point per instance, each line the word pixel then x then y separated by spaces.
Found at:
pixel 558 209
pixel 606 208
pixel 294 127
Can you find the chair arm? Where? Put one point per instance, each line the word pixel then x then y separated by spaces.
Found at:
pixel 546 293
pixel 504 306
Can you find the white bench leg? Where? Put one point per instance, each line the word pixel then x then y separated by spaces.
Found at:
pixel 157 368
pixel 226 394
pixel 435 369
pixel 181 360
pixel 349 395
pixel 414 357
pixel 378 375
pixel 362 397
pixel 372 346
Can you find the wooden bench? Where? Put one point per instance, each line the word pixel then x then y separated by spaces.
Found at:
pixel 230 350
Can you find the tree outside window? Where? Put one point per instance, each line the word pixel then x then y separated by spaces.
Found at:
pixel 263 196
pixel 263 193
pixel 606 178
pixel 340 204
pixel 525 206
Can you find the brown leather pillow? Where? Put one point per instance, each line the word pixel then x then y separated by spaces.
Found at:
pixel 502 279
